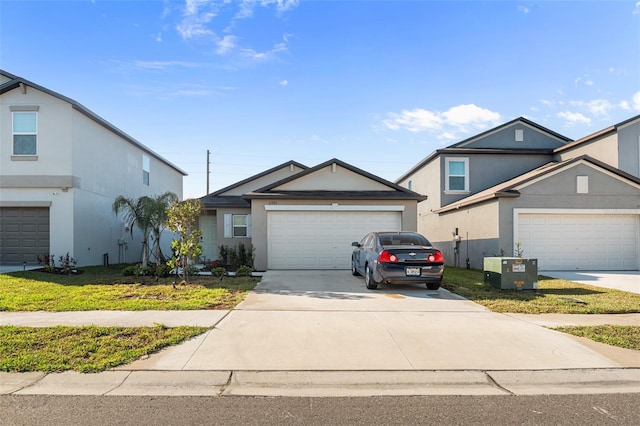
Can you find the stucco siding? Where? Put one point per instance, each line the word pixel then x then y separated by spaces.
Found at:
pixel 263 181
pixel 327 179
pixel 53 149
pixel 425 181
pixel 604 149
pixel 478 228
pixel 487 170
pixel 629 148
pixel 505 139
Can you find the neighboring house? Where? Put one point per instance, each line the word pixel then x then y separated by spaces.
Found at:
pixel 61 167
pixel 305 218
pixel 573 205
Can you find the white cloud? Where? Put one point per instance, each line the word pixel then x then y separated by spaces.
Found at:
pixel 284 83
pixel 470 114
pixel 595 107
pixel 446 125
pixel 572 118
pixel 635 101
pixel 636 10
pixel 226 44
pixel 416 120
pixel 524 9
pixel 201 19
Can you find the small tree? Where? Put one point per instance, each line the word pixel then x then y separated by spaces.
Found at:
pixel 181 218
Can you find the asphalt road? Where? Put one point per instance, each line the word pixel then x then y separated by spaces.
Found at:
pixel 619 409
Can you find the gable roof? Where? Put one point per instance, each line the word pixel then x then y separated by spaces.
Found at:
pixel 17 82
pixel 509 188
pixel 461 147
pixel 394 191
pixel 508 124
pixel 596 135
pixel 217 199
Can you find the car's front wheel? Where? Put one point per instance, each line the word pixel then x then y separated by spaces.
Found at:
pixel 368 279
pixel 354 270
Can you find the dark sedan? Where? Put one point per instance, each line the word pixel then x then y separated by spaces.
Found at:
pixel 397 258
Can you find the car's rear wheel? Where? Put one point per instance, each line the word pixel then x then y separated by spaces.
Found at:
pixel 434 286
pixel 354 271
pixel 368 279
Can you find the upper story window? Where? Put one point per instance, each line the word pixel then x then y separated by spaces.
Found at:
pixel 145 170
pixel 457 175
pixel 25 132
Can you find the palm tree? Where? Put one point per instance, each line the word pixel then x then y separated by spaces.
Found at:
pixel 136 212
pixel 158 221
pixel 148 214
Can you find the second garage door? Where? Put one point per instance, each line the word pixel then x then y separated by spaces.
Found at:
pixel 596 242
pixel 321 239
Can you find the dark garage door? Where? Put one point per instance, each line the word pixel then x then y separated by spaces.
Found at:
pixel 24 234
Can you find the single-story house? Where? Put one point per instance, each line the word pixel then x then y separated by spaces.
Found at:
pixel 299 217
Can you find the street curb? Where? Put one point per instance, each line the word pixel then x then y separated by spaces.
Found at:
pixel 324 383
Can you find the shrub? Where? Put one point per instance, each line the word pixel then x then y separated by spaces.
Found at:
pixel 219 272
pixel 244 271
pixel 235 257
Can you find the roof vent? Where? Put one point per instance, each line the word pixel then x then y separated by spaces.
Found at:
pixel 519 135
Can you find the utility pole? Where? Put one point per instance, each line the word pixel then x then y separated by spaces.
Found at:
pixel 208 172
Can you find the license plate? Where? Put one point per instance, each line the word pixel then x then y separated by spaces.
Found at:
pixel 412 272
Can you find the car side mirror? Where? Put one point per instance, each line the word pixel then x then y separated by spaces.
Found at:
pixel 355 244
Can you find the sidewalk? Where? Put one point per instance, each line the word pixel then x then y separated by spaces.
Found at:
pixel 132 380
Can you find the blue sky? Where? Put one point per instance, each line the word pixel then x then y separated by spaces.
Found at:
pixel 377 84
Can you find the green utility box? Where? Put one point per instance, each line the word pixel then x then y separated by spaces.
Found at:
pixel 511 273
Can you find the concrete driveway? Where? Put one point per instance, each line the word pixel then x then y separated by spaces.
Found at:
pixel 328 320
pixel 622 280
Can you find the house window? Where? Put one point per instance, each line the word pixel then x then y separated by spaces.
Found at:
pixel 145 170
pixel 25 132
pixel 237 226
pixel 457 175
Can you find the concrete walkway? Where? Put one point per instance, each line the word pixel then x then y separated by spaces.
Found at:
pixel 321 333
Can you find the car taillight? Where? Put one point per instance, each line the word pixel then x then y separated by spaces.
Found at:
pixel 436 257
pixel 387 257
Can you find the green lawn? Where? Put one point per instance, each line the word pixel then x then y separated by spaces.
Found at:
pixel 552 296
pixel 105 288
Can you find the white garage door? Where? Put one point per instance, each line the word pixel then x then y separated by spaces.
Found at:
pixel 321 239
pixel 595 242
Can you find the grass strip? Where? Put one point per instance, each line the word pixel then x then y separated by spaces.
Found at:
pixel 87 349
pixel 623 336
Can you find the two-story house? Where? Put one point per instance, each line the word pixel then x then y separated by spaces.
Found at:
pixel 61 167
pixel 522 189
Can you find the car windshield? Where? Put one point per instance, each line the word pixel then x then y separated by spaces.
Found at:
pixel 403 240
